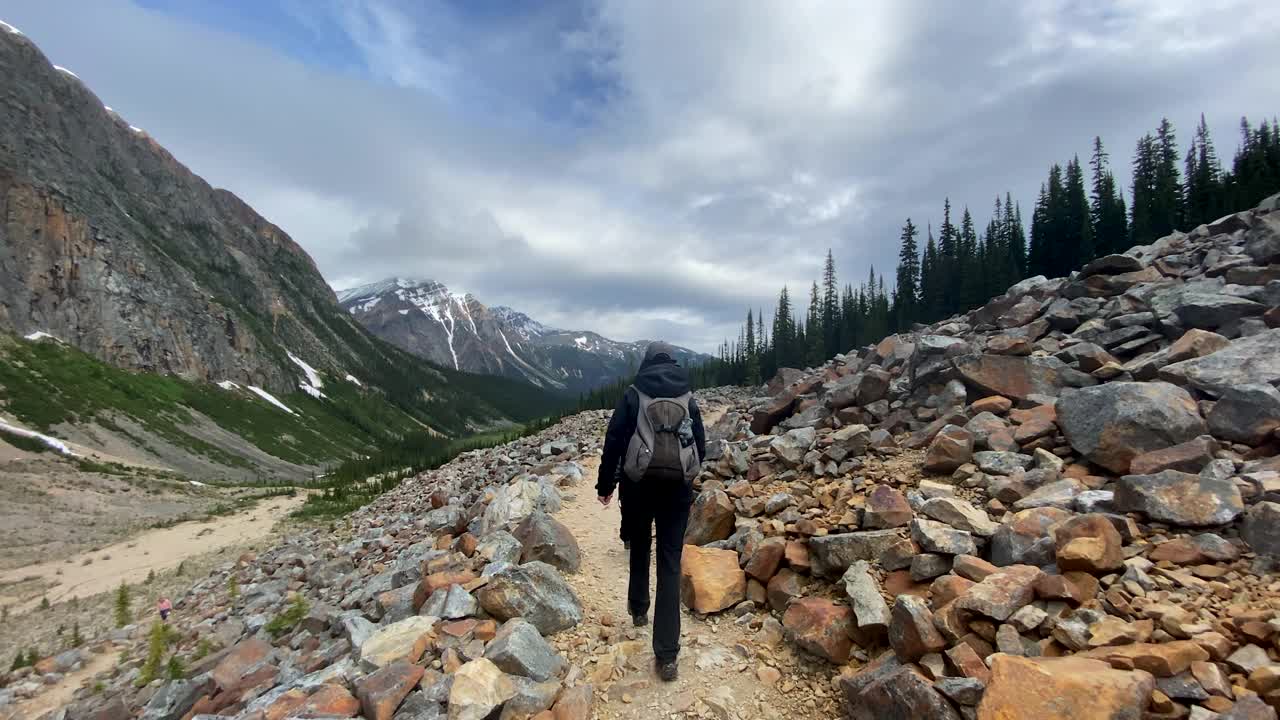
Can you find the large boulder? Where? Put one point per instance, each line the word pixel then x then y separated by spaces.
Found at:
pixel 1246 414
pixel 790 448
pixel 519 649
pixel 1261 529
pixel 1025 539
pixel 479 688
pixel 1068 688
pixel 710 579
pixel 382 691
pixel 831 555
pixel 885 507
pixel 515 500
pixel 1246 360
pixel 1180 498
pixel 821 627
pixel 535 591
pixel 1018 378
pixel 1114 423
pixel 405 640
pixel 546 539
pixel 951 448
pixel 710 519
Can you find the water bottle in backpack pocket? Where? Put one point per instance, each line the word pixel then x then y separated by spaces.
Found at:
pixel 662 446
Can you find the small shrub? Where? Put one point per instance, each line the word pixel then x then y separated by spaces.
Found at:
pixel 289 619
pixel 98 687
pixel 203 649
pixel 76 638
pixel 176 670
pixel 44 603
pixel 158 641
pixel 233 587
pixel 151 576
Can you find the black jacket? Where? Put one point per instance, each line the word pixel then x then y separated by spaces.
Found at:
pixel 655 379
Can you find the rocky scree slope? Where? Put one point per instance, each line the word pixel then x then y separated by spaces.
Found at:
pixel 456 330
pixel 109 244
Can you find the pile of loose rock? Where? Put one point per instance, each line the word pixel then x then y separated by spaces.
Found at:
pixel 1063 504
pixel 434 601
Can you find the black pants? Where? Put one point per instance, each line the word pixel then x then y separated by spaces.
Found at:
pixel 664 504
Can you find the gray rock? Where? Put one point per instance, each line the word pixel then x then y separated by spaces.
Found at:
pixel 1092 501
pixel 927 566
pixel 531 698
pixel 1246 414
pixel 500 547
pixel 173 700
pixel 1261 528
pixel 547 540
pixel 534 591
pixel 1025 539
pixel 519 649
pixel 995 462
pixel 451 603
pixel 1246 360
pixel 941 538
pixel 869 607
pixel 831 555
pixel 791 446
pixel 1059 494
pixel 960 515
pixel 1263 243
pixel 1113 423
pixel 1179 498
pixel 961 690
pixel 356 627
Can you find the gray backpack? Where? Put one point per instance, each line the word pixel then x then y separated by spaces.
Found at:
pixel 662 447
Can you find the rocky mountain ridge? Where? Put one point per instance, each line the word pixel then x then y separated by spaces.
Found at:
pixel 110 245
pixel 456 330
pixel 1063 504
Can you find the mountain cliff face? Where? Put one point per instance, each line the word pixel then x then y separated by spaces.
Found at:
pixel 456 330
pixel 112 246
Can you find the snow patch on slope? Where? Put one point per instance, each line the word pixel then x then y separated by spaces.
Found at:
pixel 228 385
pixel 61 69
pixel 39 335
pixel 352 379
pixel 9 28
pixel 270 398
pixel 53 442
pixel 312 385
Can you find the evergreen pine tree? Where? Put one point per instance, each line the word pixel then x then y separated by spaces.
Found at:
pixel 830 308
pixel 122 614
pixel 815 340
pixel 947 269
pixel 906 295
pixel 752 370
pixel 1142 223
pixel 1167 205
pixel 1039 260
pixel 931 289
pixel 1077 242
pixel 967 265
pixel 1106 209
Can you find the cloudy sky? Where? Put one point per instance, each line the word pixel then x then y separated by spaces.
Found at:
pixel 647 168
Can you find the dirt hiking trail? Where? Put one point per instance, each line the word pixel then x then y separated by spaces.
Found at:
pixel 728 668
pixel 131 560
pixel 60 695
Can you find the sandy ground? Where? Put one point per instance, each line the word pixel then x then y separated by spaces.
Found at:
pixel 158 550
pixel 61 694
pixel 718 660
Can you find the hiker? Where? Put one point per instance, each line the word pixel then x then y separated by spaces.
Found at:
pixel 165 607
pixel 654 446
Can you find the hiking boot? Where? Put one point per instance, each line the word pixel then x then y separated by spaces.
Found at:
pixel 640 620
pixel 667 671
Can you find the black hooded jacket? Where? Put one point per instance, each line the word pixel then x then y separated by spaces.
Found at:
pixel 659 376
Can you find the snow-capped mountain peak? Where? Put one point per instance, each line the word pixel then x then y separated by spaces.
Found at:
pixel 456 330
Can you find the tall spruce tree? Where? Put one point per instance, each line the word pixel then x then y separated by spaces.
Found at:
pixel 1202 193
pixel 970 281
pixel 1077 242
pixel 906 294
pixel 1167 208
pixel 948 253
pixel 815 342
pixel 931 288
pixel 1106 208
pixel 830 308
pixel 1142 211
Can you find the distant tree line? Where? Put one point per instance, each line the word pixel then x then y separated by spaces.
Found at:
pixel 1074 220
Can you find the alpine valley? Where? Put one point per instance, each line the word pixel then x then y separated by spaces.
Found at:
pixel 456 330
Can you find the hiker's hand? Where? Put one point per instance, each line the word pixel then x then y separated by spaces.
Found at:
pixel 605 499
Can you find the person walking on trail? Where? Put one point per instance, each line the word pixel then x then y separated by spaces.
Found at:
pixel 656 443
pixel 165 607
